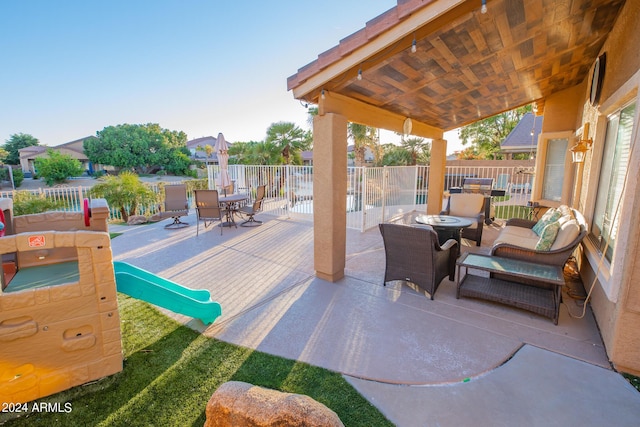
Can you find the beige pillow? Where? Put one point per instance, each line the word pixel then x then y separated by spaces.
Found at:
pixel 567 233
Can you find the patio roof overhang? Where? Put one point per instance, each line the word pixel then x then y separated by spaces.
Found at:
pixel 466 66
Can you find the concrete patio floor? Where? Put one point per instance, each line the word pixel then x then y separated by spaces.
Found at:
pixel 421 362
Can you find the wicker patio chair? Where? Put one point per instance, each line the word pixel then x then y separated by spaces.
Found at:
pixel 413 254
pixel 254 208
pixel 208 208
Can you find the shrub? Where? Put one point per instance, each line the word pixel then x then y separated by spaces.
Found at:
pixel 56 168
pixel 26 203
pixel 125 192
pixel 18 177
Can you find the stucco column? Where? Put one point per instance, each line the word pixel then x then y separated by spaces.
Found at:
pixel 435 191
pixel 329 195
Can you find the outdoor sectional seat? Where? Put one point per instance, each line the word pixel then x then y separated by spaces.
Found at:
pixel 521 239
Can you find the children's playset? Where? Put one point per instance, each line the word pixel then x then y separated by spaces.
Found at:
pixel 59 321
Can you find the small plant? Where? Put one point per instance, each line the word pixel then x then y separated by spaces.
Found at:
pixel 26 203
pixel 18 177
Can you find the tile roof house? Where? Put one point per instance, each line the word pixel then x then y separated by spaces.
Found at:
pixel 197 148
pixel 75 149
pixel 524 137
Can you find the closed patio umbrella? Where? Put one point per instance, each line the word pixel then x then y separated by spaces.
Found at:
pixel 221 147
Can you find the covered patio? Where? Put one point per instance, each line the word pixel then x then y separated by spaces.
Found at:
pixel 426 67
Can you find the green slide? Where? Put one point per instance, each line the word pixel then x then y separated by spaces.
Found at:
pixel 148 287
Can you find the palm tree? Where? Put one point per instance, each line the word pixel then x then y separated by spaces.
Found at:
pixel 289 138
pixel 125 191
pixel 415 146
pixel 363 137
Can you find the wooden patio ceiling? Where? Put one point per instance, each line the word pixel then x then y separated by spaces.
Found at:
pixel 466 65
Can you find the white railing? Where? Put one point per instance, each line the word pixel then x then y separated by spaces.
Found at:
pixel 374 195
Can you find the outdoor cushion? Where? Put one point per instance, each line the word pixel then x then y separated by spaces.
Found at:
pixel 466 205
pixel 567 233
pixel 548 236
pixel 519 232
pixel 520 241
pixel 552 215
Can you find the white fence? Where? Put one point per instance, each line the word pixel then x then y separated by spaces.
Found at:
pixel 374 194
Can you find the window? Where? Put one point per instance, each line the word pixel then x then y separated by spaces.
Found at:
pixel 554 171
pixel 615 160
pixel 554 168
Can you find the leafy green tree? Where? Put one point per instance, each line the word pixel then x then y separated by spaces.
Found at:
pixel 139 147
pixel 486 135
pixel 57 167
pixel 3 155
pixel 124 191
pixel 15 143
pixel 290 139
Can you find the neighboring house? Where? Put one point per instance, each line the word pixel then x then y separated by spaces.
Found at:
pixel 468 65
pixel 75 149
pixel 523 138
pixel 197 148
pixel 307 157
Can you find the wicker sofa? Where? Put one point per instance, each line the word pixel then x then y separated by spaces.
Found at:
pixel 518 240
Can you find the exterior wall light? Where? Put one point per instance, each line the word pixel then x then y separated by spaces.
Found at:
pixel 579 151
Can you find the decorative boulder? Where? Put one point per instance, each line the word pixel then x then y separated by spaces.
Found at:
pixel 137 220
pixel 239 404
pixel 156 217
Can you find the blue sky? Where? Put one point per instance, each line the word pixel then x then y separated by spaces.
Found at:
pixel 71 68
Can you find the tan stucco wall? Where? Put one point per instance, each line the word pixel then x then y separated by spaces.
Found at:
pixel 618 319
pixel 562 109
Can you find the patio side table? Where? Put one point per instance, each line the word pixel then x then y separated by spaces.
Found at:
pixel 543 301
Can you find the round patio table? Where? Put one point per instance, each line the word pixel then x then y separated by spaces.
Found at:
pixel 447 226
pixel 231 204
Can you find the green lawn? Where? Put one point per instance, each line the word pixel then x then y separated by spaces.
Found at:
pixel 170 372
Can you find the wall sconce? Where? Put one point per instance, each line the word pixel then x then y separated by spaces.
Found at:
pixel 579 151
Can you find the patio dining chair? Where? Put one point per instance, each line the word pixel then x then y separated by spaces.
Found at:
pixel 254 208
pixel 208 208
pixel 176 205
pixel 470 206
pixel 413 254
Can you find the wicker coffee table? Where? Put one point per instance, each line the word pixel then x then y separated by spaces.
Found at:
pixel 540 300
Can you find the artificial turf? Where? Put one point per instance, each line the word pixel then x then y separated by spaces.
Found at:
pixel 171 371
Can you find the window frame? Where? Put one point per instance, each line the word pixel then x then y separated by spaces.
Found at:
pixel 541 160
pixel 610 277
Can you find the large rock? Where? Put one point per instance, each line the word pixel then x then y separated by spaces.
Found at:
pixel 137 220
pixel 239 404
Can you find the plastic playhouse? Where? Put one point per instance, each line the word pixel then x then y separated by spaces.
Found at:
pixel 59 320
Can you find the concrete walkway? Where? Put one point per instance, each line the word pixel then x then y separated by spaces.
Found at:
pixel 445 362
